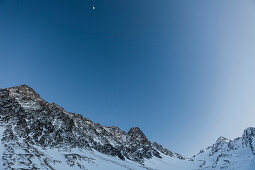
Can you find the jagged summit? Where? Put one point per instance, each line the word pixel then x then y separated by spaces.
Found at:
pixel 23 86
pixel 24 90
pixel 135 130
pixel 222 139
pixel 137 133
pixel 250 131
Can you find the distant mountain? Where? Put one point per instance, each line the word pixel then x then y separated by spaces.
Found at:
pixel 36 134
pixel 229 154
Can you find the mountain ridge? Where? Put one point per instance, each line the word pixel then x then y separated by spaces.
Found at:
pixel 36 134
pixel 49 125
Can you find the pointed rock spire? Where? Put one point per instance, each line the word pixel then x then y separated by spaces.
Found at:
pixel 137 133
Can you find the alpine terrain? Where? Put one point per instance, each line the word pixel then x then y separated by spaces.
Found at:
pixel 36 134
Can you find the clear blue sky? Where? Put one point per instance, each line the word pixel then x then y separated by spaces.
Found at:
pixel 183 71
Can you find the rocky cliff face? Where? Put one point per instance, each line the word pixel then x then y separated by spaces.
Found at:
pixel 29 122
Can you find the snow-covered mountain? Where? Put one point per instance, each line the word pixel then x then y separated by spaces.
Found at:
pixel 229 154
pixel 36 134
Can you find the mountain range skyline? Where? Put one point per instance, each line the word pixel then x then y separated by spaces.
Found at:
pixel 182 71
pixel 24 86
pixel 31 130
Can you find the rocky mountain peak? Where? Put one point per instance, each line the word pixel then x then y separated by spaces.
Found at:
pixel 23 87
pixel 248 132
pixel 221 143
pixel 135 130
pixel 138 134
pixel 24 91
pixel 248 138
pixel 222 139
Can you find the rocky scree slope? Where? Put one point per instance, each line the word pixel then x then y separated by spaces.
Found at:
pixel 29 123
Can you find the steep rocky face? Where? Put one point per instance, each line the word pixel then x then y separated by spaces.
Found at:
pixel 161 149
pixel 29 121
pixel 137 134
pixel 249 138
pixel 220 144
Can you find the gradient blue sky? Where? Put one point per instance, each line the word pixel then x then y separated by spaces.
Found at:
pixel 181 70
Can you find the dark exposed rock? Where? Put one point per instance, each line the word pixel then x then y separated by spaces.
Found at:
pixel 166 151
pixel 249 138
